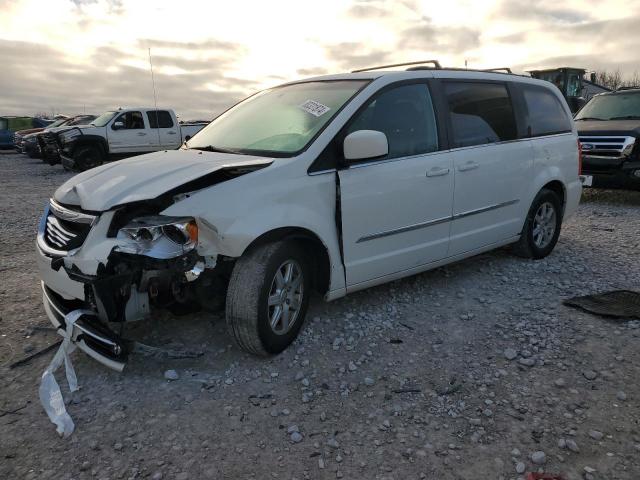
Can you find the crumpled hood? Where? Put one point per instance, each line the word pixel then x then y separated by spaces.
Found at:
pixel 145 177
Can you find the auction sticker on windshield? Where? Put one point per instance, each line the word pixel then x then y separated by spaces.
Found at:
pixel 314 108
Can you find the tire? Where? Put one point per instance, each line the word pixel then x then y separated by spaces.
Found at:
pixel 541 227
pixel 253 282
pixel 87 157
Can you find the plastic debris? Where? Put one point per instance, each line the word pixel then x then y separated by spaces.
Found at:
pixel 50 394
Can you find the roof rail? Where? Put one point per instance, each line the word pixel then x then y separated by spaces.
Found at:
pixel 435 63
pixel 630 87
pixel 499 69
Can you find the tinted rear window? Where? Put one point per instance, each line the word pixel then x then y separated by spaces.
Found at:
pixel 546 114
pixel 480 113
pixel 163 118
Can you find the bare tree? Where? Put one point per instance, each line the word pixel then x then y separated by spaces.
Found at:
pixel 615 80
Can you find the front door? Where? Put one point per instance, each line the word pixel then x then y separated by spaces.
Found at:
pixel 131 137
pixel 396 210
pixel 493 167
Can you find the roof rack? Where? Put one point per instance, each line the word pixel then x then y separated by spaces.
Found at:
pixel 436 65
pixel 631 87
pixel 499 69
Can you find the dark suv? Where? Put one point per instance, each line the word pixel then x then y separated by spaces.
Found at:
pixel 609 130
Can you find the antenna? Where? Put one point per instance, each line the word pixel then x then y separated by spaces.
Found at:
pixel 155 99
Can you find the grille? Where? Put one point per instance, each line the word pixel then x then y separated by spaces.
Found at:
pixel 66 229
pixel 607 146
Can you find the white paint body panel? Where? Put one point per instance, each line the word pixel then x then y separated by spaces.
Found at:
pixel 493 177
pixel 380 198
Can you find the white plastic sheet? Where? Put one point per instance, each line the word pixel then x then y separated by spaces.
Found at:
pixel 50 394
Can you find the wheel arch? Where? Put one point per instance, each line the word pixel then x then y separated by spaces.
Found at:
pixel 559 189
pixel 92 141
pixel 311 242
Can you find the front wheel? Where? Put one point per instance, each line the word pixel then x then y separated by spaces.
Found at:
pixel 268 296
pixel 87 157
pixel 542 226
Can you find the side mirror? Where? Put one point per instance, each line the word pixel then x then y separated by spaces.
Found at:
pixel 118 125
pixel 364 144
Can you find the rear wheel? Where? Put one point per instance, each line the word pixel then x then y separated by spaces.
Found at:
pixel 87 157
pixel 542 226
pixel 268 296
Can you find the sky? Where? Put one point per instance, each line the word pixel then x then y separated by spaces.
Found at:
pixel 88 56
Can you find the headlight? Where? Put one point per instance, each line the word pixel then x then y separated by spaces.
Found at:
pixel 159 236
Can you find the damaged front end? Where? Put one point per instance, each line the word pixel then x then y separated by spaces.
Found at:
pixel 120 265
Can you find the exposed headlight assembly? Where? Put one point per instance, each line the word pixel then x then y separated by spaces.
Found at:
pixel 158 236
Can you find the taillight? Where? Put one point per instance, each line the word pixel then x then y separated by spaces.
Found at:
pixel 579 158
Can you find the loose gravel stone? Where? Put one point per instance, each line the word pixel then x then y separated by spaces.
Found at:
pixel 596 435
pixel 572 445
pixel 171 375
pixel 527 362
pixel 296 437
pixel 621 396
pixel 539 458
pixel 510 354
pixel 589 374
pixel 520 467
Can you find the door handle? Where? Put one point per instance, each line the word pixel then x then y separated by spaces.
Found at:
pixel 437 172
pixel 468 166
pixel 141 134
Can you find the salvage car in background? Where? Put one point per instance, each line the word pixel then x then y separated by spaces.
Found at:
pixel 48 140
pixel 609 130
pixel 122 133
pixel 333 184
pixel 9 125
pixel 21 135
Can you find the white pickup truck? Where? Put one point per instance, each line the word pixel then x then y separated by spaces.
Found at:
pixel 122 133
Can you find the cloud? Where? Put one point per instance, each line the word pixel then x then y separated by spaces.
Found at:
pixel 540 10
pixel 367 10
pixel 352 55
pixel 439 39
pixel 40 78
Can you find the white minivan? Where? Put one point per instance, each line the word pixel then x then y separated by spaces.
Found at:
pixel 330 184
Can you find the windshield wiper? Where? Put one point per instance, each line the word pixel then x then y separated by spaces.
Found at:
pixel 626 117
pixel 588 118
pixel 212 148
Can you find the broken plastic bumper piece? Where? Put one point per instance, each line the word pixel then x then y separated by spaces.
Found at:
pixel 88 334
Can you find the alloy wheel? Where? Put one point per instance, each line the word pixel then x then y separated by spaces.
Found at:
pixel 285 297
pixel 544 225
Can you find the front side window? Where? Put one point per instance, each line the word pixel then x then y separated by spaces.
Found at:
pixel 480 113
pixel 159 119
pixel 405 115
pixel 281 121
pixel 131 121
pixel 546 114
pixel 616 106
pixel 3 124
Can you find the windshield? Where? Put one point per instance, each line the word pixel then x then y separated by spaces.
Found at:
pixel 281 121
pixel 611 107
pixel 57 123
pixel 103 119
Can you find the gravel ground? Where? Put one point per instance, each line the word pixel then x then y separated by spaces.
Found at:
pixel 470 371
